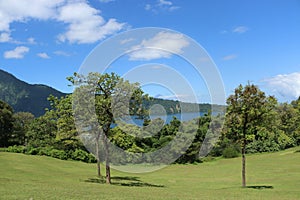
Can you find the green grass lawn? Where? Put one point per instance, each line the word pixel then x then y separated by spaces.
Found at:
pixel 270 176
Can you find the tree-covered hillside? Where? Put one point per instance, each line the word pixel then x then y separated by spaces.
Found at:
pixel 24 97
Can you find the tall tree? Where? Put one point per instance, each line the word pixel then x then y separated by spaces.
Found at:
pixel 113 98
pixel 247 109
pixel 62 111
pixel 6 123
pixel 21 124
pixel 42 131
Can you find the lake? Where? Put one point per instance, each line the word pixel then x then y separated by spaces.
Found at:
pixel 168 118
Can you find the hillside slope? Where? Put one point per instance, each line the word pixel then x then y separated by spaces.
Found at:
pixel 33 98
pixel 23 96
pixel 270 176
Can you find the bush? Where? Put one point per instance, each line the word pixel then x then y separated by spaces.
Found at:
pixel 32 151
pixel 259 146
pixel 230 152
pixel 45 151
pixel 208 158
pixel 78 154
pixel 84 156
pixel 60 154
pixel 16 149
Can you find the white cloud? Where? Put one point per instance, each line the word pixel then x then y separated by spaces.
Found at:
pixel 5 37
pixel 223 31
pixel 21 11
pixel 43 55
pixel 31 40
pixel 230 57
pixel 240 29
pixel 161 5
pixel 125 41
pixel 156 67
pixel 62 53
pixel 286 85
pixel 17 53
pixel 165 3
pixel 148 7
pixel 162 45
pixel 172 8
pixel 106 1
pixel 84 23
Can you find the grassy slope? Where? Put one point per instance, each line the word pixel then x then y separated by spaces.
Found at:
pixel 35 177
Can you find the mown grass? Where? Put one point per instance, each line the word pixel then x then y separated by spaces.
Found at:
pixel 269 176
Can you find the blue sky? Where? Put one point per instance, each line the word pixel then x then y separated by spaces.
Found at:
pixel 43 41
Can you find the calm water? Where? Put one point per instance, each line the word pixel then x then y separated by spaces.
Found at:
pixel 167 118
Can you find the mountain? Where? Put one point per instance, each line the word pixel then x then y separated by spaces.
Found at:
pixel 24 97
pixel 173 107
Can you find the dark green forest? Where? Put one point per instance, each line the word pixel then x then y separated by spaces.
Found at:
pixel 24 97
pixel 260 125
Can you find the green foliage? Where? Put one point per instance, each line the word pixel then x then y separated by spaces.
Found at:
pixel 24 97
pixel 78 154
pixel 248 109
pixel 267 126
pixel 6 123
pixel 173 107
pixel 22 120
pixel 83 156
pixel 66 135
pixel 230 152
pixel 41 132
pixel 60 154
pixel 16 149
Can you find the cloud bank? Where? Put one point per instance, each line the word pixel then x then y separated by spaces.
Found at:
pixel 286 85
pixel 84 24
pixel 162 45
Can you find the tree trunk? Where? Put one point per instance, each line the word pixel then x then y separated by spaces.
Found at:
pixel 244 161
pixel 108 180
pixel 107 163
pixel 244 152
pixel 243 167
pixel 98 156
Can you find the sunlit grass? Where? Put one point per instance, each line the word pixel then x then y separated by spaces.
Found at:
pixel 269 175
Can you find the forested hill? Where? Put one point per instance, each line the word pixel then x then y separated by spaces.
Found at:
pixel 173 107
pixel 23 96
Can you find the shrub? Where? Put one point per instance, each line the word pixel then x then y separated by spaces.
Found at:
pixel 32 151
pixel 45 151
pixel 84 156
pixel 60 154
pixel 16 149
pixel 230 152
pixel 258 146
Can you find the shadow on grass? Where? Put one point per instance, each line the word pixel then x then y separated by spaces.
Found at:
pixel 129 181
pixel 260 187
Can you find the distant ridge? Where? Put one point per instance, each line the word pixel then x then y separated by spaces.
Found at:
pixel 24 97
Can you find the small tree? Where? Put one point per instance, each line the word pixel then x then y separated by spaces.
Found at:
pixel 248 109
pixel 21 124
pixel 6 123
pixel 110 97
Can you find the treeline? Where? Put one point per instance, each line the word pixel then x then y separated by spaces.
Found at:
pixel 24 97
pixel 54 134
pixel 173 107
